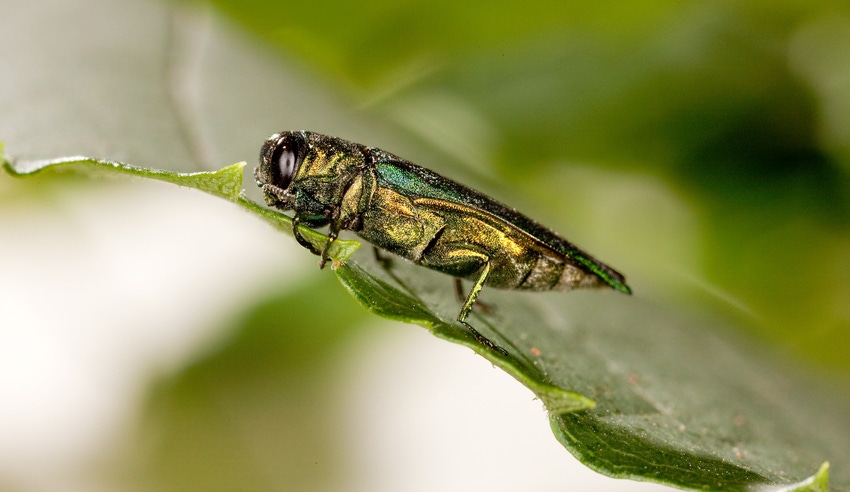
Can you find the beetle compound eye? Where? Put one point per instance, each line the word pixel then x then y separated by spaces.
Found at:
pixel 286 164
pixel 287 157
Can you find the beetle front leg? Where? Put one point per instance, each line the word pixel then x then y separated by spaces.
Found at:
pixel 296 221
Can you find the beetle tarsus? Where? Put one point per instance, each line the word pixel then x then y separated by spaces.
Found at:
pixel 484 340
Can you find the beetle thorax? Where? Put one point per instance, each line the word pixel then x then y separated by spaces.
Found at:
pixel 326 173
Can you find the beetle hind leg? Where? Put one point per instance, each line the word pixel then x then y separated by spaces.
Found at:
pixel 467 307
pixel 484 340
pixel 461 260
pixel 473 294
pixel 481 306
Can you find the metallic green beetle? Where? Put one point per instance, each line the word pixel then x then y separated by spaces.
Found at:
pixel 421 216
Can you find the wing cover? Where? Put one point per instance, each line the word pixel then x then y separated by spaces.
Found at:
pixel 409 179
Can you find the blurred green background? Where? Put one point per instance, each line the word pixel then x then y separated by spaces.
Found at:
pixel 702 148
pixel 737 112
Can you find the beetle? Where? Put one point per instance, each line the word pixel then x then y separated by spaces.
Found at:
pixel 419 215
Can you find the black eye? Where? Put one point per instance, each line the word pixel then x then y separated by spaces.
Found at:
pixel 287 155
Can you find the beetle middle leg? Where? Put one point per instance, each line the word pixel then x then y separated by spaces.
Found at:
pixel 385 261
pixel 333 233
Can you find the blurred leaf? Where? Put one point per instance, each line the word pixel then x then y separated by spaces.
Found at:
pixel 256 413
pixel 368 45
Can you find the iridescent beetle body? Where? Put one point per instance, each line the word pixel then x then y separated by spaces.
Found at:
pixel 419 215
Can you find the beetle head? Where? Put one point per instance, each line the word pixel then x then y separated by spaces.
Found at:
pixel 318 166
pixel 280 159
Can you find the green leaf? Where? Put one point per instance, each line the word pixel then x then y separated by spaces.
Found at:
pixel 647 424
pixel 225 183
pixel 675 403
pixel 380 296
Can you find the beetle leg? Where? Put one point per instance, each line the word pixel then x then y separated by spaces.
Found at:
pixel 479 305
pixel 384 260
pixel 473 294
pixel 333 232
pixel 461 259
pixel 467 307
pixel 298 237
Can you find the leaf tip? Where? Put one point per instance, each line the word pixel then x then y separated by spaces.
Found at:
pixel 819 482
pixel 235 167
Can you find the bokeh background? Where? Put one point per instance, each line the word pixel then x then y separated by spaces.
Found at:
pixel 155 339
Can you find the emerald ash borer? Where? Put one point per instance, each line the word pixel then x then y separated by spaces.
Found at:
pixel 419 215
